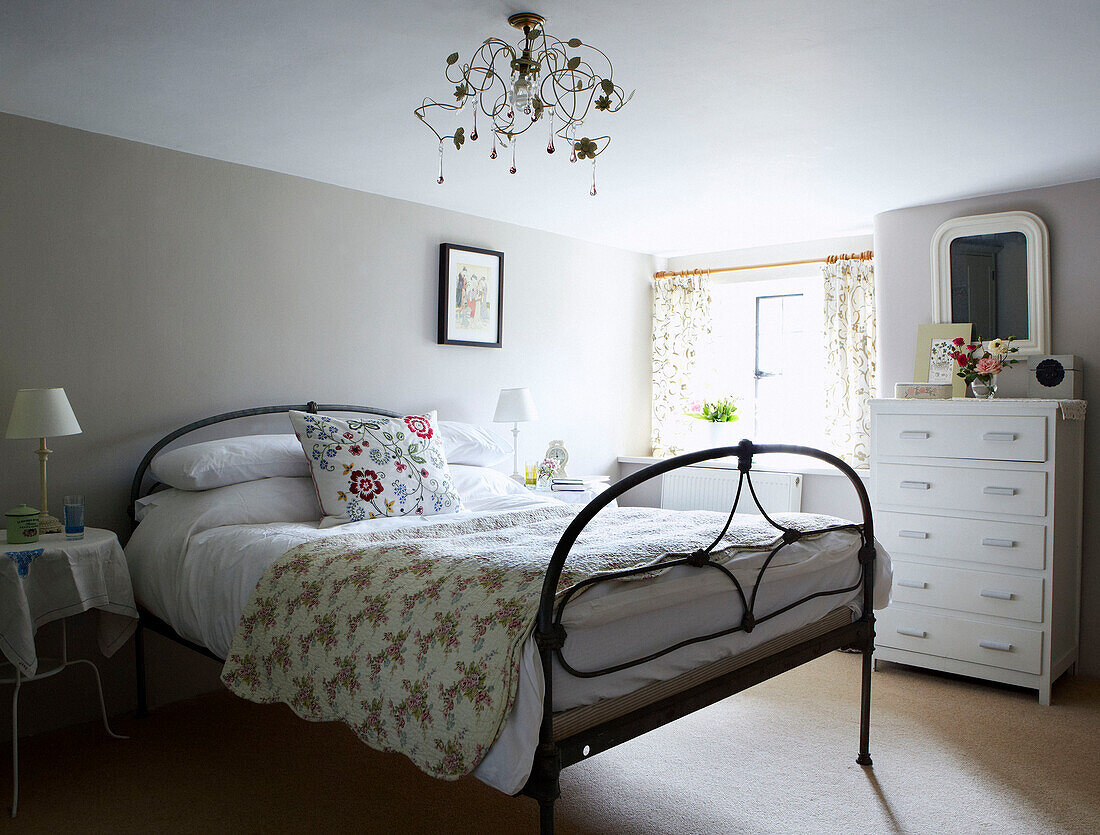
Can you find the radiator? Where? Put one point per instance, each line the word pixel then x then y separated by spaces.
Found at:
pixel 709 488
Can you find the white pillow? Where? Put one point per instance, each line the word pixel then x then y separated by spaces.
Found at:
pixel 262 501
pixel 372 466
pixel 230 461
pixel 480 482
pixel 466 443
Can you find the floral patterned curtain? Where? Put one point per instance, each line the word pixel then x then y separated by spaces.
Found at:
pixel 681 318
pixel 850 356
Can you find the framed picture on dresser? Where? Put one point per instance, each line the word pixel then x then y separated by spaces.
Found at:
pixel 933 362
pixel 471 296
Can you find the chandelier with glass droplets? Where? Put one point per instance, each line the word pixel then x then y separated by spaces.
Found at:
pixel 541 79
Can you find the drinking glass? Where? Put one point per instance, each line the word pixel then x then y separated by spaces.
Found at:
pixel 74 517
pixel 531 475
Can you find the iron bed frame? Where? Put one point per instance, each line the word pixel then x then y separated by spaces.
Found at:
pixel 552 755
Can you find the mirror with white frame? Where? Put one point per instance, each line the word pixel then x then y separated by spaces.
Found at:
pixel 994 272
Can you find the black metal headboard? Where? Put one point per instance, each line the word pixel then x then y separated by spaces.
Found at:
pixel 311 407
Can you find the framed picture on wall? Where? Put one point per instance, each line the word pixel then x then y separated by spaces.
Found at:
pixel 471 296
pixel 933 360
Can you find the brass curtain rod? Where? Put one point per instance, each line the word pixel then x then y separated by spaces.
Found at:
pixel 831 259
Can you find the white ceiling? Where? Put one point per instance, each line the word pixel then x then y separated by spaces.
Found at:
pixel 754 122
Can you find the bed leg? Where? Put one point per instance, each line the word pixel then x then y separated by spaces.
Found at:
pixel 543 784
pixel 546 817
pixel 864 757
pixel 139 672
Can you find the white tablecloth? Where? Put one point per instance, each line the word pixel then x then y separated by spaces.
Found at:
pixel 54 578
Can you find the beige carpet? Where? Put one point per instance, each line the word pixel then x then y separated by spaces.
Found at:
pixel 950 756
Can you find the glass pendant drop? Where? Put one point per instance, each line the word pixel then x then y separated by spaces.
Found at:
pixel 493 155
pixel 593 191
pixel 550 144
pixel 512 170
pixel 473 133
pixel 440 180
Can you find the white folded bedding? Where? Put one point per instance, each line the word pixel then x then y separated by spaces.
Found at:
pixel 196 558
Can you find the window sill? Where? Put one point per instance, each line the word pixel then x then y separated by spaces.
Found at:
pixel 767 463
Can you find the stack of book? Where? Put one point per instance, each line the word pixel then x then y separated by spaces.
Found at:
pixel 579 484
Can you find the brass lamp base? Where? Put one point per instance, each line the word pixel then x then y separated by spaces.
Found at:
pixel 48 524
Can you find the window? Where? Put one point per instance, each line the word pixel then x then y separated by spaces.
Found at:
pixel 766 350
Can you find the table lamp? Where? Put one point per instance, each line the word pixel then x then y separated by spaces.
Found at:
pixel 42 413
pixel 514 406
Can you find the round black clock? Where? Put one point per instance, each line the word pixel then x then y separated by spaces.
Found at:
pixel 1050 372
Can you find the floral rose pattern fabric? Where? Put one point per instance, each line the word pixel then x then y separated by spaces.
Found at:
pixel 681 320
pixel 376 466
pixel 850 355
pixel 414 637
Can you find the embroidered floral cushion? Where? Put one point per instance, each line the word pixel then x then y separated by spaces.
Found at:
pixel 373 466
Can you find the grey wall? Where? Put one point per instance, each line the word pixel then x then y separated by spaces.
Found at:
pixel 158 287
pixel 770 254
pixel 904 294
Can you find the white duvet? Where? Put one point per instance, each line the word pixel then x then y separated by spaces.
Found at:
pixel 197 556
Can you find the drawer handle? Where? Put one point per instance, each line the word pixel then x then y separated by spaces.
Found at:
pixel 1000 491
pixel 912 633
pixel 998 543
pixel 917 485
pixel 913 534
pixel 913 584
pixel 999 436
pixel 914 436
pixel 997 595
pixel 1000 646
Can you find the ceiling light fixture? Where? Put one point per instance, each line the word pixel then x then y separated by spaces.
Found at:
pixel 516 86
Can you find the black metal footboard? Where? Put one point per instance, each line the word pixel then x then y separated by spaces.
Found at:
pixel 550 636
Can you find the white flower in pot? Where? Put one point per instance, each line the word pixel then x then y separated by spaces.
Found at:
pixel 718 417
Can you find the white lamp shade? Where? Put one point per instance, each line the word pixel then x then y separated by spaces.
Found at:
pixel 41 413
pixel 515 405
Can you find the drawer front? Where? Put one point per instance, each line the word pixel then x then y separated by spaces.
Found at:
pixel 1009 647
pixel 993 438
pixel 963 590
pixel 1015 492
pixel 994 543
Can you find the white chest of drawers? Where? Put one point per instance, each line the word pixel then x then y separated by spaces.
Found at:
pixel 979 505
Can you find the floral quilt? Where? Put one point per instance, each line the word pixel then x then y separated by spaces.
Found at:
pixel 413 637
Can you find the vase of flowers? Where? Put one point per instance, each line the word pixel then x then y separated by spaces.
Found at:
pixel 718 417
pixel 547 469
pixel 984 388
pixel 979 365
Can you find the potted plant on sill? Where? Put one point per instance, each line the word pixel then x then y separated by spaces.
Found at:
pixel 719 416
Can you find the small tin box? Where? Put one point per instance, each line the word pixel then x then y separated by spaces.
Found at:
pixel 22 525
pixel 1057 377
pixel 922 391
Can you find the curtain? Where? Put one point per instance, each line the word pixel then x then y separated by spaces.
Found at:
pixel 681 318
pixel 850 356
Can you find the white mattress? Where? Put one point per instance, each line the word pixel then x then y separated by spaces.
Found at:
pixel 196 572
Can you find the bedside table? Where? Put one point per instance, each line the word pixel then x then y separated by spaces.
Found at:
pixel 49 580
